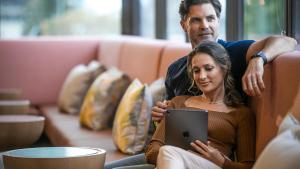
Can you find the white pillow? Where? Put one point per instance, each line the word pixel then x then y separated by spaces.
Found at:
pixel 289 122
pixel 283 152
pixel 76 85
pixel 158 90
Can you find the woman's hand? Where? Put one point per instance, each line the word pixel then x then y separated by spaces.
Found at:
pixel 208 152
pixel 159 110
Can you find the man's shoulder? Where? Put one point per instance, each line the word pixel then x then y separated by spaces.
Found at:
pixel 181 60
pixel 230 44
pixel 178 64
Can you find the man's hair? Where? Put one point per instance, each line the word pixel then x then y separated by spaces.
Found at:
pixel 186 4
pixel 219 54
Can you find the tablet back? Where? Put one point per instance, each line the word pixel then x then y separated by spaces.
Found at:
pixel 184 126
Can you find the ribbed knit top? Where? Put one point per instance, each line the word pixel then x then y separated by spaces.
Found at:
pixel 230 132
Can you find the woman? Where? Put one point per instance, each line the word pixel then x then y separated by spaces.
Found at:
pixel 231 126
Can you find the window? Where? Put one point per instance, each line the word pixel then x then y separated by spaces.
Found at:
pixel 174 30
pixel 59 17
pixel 147 18
pixel 222 29
pixel 263 18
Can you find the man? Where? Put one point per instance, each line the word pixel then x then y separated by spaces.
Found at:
pixel 200 19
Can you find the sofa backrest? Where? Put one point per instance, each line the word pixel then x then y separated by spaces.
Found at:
pixel 39 66
pixel 282 82
pixel 141 59
pixel 109 52
pixel 171 53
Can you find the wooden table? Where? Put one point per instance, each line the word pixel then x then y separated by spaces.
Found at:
pixel 55 157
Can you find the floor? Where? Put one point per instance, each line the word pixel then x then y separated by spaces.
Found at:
pixel 42 142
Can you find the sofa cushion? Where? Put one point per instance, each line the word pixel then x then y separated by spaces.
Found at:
pixel 158 90
pixel 284 150
pixel 102 99
pixel 65 130
pixel 132 119
pixel 76 85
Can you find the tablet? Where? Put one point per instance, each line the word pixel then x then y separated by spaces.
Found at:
pixel 183 126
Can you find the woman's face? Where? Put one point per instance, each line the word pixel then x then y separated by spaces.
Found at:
pixel 207 74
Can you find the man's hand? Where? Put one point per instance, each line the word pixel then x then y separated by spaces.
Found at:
pixel 252 80
pixel 208 152
pixel 159 110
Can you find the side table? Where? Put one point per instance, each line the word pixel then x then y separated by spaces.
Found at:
pixel 19 131
pixel 14 106
pixel 55 157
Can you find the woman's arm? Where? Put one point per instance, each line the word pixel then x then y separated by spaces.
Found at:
pixel 158 140
pixel 245 141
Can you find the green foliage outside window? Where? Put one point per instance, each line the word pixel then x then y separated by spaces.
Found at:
pixel 263 18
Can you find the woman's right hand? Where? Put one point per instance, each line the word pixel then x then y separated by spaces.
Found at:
pixel 159 110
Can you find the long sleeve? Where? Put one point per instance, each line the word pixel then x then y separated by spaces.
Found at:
pixel 158 140
pixel 245 146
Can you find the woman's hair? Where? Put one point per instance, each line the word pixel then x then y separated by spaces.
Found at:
pixel 220 56
pixel 186 4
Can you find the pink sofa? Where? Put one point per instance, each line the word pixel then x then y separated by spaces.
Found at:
pixel 39 66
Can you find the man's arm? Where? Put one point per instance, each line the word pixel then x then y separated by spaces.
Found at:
pixel 272 46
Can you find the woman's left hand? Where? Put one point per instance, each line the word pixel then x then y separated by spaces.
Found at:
pixel 208 152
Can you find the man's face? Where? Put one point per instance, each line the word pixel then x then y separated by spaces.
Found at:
pixel 201 23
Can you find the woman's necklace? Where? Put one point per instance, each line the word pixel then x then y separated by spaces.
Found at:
pixel 221 101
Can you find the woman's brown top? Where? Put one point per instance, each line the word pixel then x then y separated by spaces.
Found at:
pixel 228 132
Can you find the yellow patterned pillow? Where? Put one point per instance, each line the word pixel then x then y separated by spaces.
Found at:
pixel 102 99
pixel 132 119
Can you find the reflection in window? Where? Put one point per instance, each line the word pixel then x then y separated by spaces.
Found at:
pixel 174 30
pixel 263 18
pixel 60 17
pixel 147 18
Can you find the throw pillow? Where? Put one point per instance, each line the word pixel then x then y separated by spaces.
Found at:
pixel 132 119
pixel 289 122
pixel 283 151
pixel 102 99
pixel 76 85
pixel 158 90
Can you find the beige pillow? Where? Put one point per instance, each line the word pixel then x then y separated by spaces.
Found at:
pixel 102 99
pixel 132 119
pixel 158 90
pixel 76 85
pixel 283 152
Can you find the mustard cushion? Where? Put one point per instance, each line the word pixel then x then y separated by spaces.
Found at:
pixel 76 85
pixel 132 119
pixel 102 99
